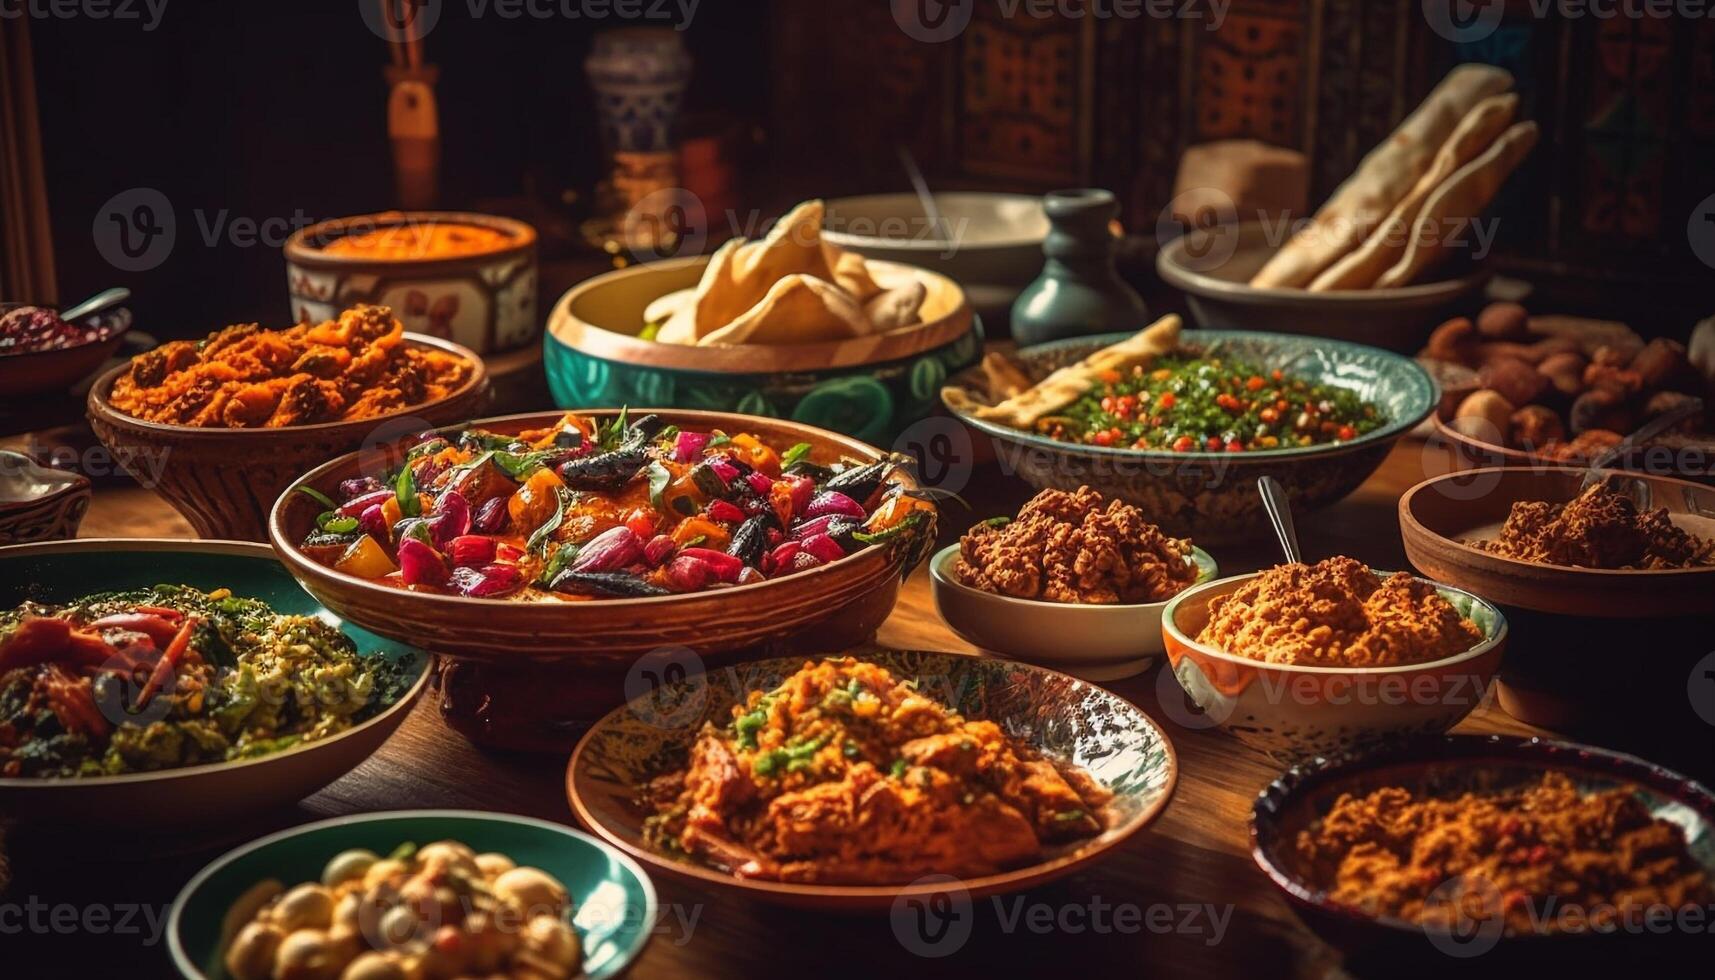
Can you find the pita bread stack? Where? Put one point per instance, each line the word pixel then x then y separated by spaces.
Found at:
pixel 1412 198
pixel 790 287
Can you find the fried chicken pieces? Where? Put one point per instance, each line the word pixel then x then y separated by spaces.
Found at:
pixel 1077 548
pixel 244 377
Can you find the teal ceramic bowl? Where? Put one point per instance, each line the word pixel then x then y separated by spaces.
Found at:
pixel 1093 642
pixel 1211 496
pixel 613 900
pixel 871 388
pixel 205 795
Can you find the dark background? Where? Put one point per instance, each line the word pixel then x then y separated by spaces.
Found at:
pixel 278 111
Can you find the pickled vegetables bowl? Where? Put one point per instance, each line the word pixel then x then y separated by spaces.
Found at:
pixel 553 558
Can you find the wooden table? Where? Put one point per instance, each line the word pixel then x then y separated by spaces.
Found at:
pixel 1181 899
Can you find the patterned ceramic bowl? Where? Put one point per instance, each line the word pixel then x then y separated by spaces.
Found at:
pixel 172 800
pixel 1095 642
pixel 1061 716
pixel 1211 496
pixel 1450 766
pixel 613 902
pixel 870 388
pixel 485 301
pixel 1293 713
pixel 38 502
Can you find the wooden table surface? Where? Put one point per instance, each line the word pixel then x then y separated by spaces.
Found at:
pixel 1181 899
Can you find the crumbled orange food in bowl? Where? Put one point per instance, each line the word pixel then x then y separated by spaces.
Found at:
pixel 244 377
pixel 1518 856
pixel 421 240
pixel 1337 613
pixel 1076 548
pixel 1600 528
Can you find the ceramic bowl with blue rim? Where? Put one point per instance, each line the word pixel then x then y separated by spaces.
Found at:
pixel 612 902
pixel 1211 496
pixel 215 793
pixel 1450 766
pixel 871 388
pixel 1097 642
pixel 1060 716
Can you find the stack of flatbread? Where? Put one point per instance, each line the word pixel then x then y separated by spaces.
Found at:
pixel 788 288
pixel 1409 202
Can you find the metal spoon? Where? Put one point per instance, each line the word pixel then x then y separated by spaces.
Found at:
pixel 104 300
pixel 921 186
pixel 1639 490
pixel 1280 515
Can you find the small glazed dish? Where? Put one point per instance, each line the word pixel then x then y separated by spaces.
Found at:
pixel 991 244
pixel 224 480
pixel 1059 716
pixel 1449 766
pixel 531 674
pixel 1294 712
pixel 39 502
pixel 477 290
pixel 1093 642
pixel 26 373
pixel 1211 496
pixel 613 904
pixel 868 387
pixel 1213 268
pixel 201 795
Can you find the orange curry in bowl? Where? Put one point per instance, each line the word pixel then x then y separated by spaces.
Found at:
pixel 420 240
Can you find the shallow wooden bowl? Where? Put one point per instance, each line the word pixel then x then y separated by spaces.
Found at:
pixel 532 674
pixel 869 387
pixel 224 480
pixel 1438 516
pixel 1060 716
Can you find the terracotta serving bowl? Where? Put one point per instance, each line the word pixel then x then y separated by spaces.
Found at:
pixel 868 387
pixel 989 243
pixel 211 795
pixel 613 902
pixel 1213 267
pixel 224 480
pixel 1691 458
pixel 37 501
pixel 1212 497
pixel 485 301
pixel 1059 715
pixel 1093 642
pixel 532 674
pixel 1450 766
pixel 1293 713
pixel 38 372
pixel 1566 676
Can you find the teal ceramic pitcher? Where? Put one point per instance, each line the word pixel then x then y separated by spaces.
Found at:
pixel 1079 292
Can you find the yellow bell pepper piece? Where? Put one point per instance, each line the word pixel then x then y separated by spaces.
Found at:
pixel 365 559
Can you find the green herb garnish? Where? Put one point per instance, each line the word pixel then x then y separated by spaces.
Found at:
pixel 318 497
pixel 797 453
pixel 659 478
pixel 405 491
